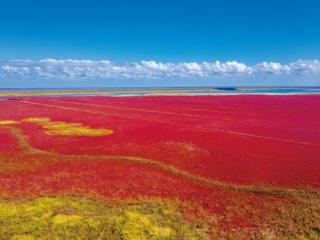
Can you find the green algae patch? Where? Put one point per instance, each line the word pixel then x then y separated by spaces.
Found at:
pixel 77 218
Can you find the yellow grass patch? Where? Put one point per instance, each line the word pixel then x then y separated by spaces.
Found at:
pixel 134 223
pixel 66 219
pixel 36 120
pixel 73 129
pixel 78 218
pixel 67 129
pixel 8 122
pixel 22 237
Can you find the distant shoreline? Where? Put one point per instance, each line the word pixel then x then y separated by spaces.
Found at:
pixel 160 91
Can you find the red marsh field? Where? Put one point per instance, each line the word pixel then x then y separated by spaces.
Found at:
pixel 160 167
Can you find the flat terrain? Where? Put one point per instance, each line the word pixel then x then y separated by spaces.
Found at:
pixel 160 167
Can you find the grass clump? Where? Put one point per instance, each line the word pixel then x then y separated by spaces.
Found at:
pixel 76 218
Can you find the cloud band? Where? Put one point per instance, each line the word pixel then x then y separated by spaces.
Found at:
pixel 90 69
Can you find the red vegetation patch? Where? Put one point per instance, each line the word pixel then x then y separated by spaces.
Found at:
pixel 8 143
pixel 203 150
pixel 270 139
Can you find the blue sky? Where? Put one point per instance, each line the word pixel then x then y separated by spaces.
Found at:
pixel 161 32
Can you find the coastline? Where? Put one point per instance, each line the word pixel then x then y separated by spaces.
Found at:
pixel 160 92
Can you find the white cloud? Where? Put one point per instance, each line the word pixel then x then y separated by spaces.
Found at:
pixel 232 67
pixel 91 69
pixel 305 67
pixel 8 68
pixel 271 68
